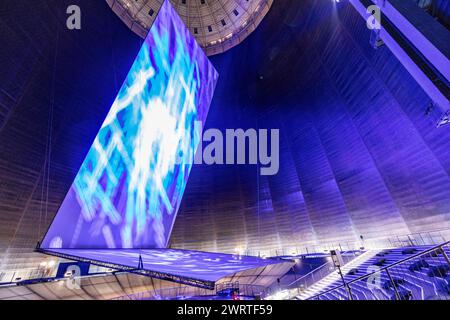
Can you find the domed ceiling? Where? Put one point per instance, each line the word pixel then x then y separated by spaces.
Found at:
pixel 218 25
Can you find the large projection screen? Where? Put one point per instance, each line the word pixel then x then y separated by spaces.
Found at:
pixel 129 188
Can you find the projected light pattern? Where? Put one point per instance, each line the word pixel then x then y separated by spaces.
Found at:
pixel 129 188
pixel 191 264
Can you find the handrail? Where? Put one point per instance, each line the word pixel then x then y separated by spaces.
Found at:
pixel 173 292
pixel 311 272
pixel 413 238
pixel 382 269
pixel 319 268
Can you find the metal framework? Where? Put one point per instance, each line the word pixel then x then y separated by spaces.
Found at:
pixel 416 53
pixel 204 284
pixel 346 285
pixel 215 35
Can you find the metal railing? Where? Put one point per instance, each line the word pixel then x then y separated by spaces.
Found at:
pixel 411 239
pixel 422 276
pixel 167 293
pixel 187 292
pixel 16 276
pixel 312 277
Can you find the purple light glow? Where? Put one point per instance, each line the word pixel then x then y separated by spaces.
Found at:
pixel 189 264
pixel 129 188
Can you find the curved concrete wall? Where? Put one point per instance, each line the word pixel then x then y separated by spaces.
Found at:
pixel 358 156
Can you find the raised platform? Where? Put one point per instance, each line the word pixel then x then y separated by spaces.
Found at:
pixel 200 269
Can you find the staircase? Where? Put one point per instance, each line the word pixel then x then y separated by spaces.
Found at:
pixel 408 273
pixel 334 279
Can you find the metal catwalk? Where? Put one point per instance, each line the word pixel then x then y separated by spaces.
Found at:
pixel 200 269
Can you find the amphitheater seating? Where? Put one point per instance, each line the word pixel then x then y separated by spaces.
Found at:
pixel 397 281
pixel 422 278
pixel 417 266
pixel 353 271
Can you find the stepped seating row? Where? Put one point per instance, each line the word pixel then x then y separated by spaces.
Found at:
pixel 422 278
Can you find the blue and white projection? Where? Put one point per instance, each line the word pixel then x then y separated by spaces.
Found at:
pixel 129 188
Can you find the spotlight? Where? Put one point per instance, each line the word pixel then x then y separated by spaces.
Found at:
pixel 239 250
pixel 280 295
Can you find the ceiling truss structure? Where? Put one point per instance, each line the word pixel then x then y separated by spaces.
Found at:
pixel 218 25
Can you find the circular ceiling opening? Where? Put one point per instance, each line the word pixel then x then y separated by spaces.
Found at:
pixel 218 25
